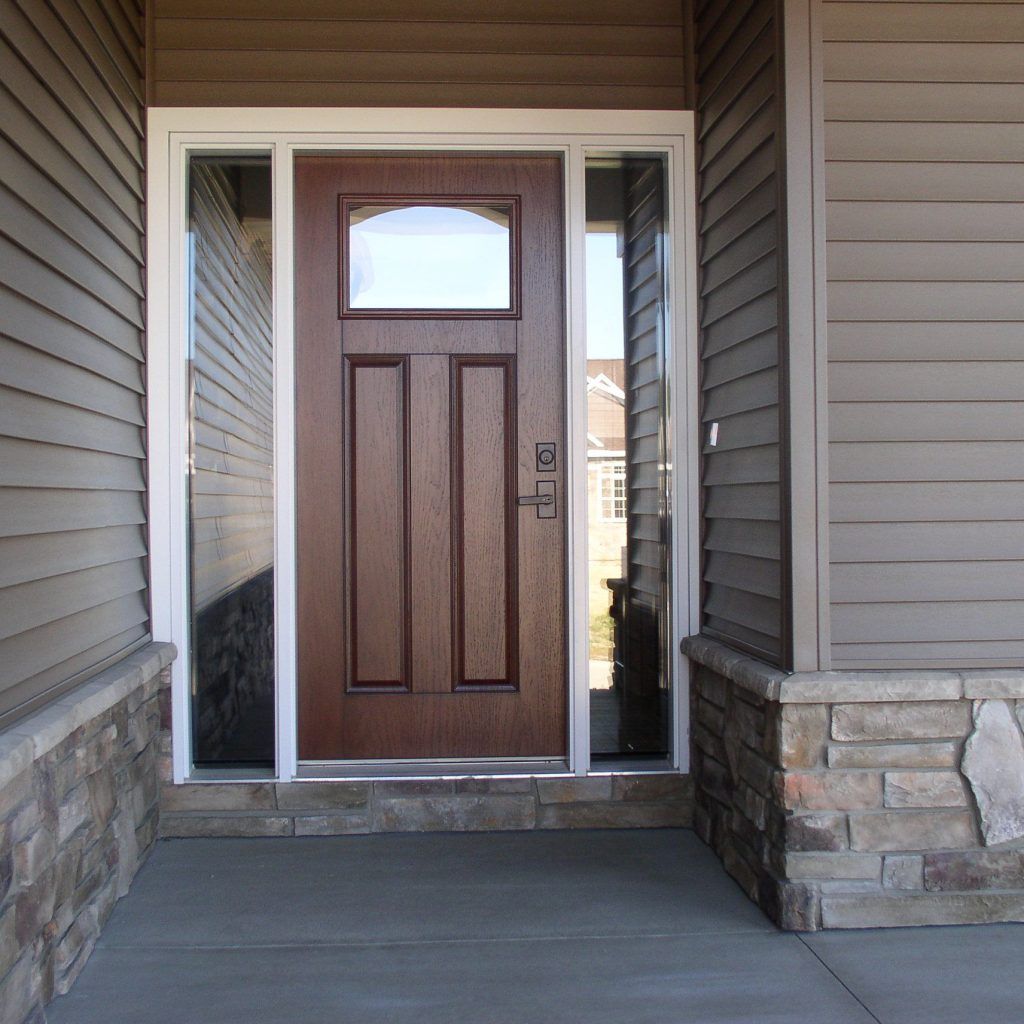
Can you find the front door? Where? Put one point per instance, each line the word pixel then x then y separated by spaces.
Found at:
pixel 429 363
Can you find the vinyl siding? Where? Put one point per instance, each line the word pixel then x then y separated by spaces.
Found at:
pixel 737 159
pixel 504 53
pixel 72 475
pixel 232 502
pixel 924 106
pixel 647 520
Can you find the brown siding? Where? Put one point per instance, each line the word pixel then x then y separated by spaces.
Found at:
pixel 504 53
pixel 72 511
pixel 925 225
pixel 736 101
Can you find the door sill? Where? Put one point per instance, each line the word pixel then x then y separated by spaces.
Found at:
pixel 452 768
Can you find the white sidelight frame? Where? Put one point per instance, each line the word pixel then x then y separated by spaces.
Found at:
pixel 174 132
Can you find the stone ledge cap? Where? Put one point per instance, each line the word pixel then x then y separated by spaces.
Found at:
pixel 32 737
pixel 751 674
pixel 867 686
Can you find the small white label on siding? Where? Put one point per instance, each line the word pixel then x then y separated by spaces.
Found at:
pixel 713 435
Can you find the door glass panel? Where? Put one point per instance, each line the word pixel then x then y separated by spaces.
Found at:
pixel 231 463
pixel 627 459
pixel 428 256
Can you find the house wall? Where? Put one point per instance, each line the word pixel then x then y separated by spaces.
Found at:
pixel 505 53
pixel 924 108
pixel 736 89
pixel 72 446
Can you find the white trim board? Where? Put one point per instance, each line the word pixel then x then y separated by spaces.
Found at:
pixel 175 131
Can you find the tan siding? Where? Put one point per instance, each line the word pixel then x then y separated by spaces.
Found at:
pixel 926 266
pixel 736 100
pixel 513 53
pixel 925 227
pixel 72 483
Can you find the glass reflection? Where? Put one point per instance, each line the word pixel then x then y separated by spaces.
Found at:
pixel 627 482
pixel 429 257
pixel 231 462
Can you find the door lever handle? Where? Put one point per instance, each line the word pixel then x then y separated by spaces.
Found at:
pixel 544 499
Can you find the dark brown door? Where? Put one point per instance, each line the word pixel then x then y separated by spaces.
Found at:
pixel 431 603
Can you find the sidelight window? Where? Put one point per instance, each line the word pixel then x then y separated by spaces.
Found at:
pixel 230 461
pixel 627 460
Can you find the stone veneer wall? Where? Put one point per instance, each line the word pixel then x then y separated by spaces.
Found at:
pixel 418 805
pixel 78 815
pixel 862 799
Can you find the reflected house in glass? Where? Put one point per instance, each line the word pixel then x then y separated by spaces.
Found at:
pixel 606 539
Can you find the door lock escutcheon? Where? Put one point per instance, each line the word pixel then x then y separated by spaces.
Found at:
pixel 546 457
pixel 544 499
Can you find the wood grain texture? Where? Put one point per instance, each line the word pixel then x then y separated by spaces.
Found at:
pixel 431 501
pixel 520 710
pixel 484 527
pixel 378 522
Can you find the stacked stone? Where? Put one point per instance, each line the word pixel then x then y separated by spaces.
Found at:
pixel 892 820
pixel 425 805
pixel 732 767
pixel 78 815
pixel 894 798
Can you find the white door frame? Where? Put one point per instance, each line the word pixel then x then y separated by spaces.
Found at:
pixel 175 131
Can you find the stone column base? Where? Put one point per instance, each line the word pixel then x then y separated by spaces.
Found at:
pixel 78 816
pixel 861 799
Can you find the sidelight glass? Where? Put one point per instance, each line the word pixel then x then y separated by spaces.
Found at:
pixel 428 256
pixel 231 462
pixel 627 460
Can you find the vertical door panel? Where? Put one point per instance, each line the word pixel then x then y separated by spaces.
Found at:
pixel 378 522
pixel 484 482
pixel 431 556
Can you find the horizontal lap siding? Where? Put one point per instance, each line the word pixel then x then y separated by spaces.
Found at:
pixel 232 510
pixel 924 106
pixel 737 105
pixel 72 447
pixel 514 53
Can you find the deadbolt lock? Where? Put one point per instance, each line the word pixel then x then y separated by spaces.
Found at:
pixel 546 457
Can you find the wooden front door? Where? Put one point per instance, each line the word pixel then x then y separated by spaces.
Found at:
pixel 431 600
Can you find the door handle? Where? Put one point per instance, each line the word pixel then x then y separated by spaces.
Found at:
pixel 544 499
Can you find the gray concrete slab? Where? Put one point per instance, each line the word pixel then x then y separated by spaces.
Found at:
pixel 430 887
pixel 931 975
pixel 691 979
pixel 511 928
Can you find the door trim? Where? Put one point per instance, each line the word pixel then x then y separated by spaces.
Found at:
pixel 174 132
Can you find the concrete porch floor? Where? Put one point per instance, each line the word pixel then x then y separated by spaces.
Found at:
pixel 627 927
